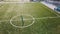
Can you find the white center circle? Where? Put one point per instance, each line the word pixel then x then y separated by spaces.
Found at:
pixel 23 19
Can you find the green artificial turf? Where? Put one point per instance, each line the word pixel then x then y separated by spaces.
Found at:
pixel 37 10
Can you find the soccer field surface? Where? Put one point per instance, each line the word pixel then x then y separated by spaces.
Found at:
pixel 28 18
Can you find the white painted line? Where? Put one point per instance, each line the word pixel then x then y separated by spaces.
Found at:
pixel 47 17
pixel 48 5
pixel 31 19
pixel 22 26
pixel 17 2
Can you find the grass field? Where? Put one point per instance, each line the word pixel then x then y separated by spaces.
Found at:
pixel 46 21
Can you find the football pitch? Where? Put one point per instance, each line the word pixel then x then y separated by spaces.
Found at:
pixel 28 18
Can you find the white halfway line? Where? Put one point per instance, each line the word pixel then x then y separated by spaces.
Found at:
pixel 47 17
pixel 31 19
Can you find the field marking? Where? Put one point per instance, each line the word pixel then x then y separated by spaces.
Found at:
pixel 47 17
pixel 28 19
pixel 17 2
pixel 31 19
pixel 22 26
pixel 34 19
pixel 51 10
